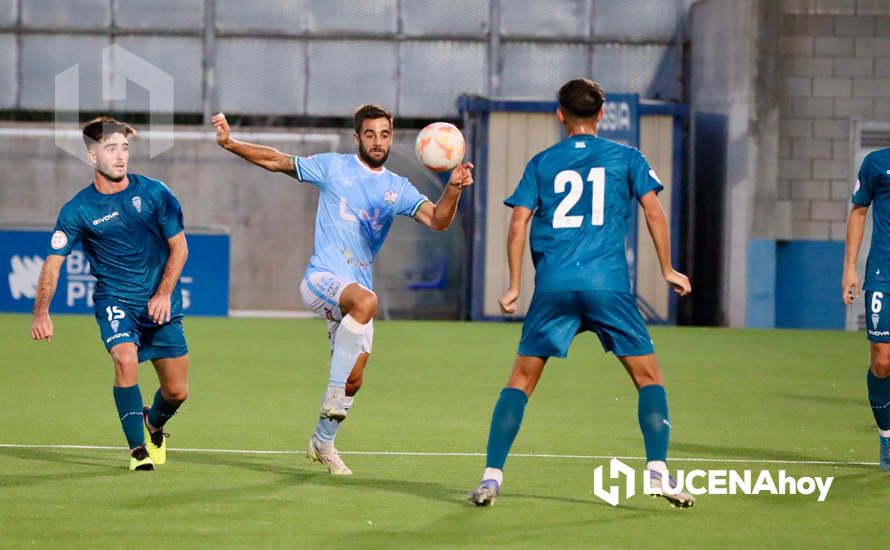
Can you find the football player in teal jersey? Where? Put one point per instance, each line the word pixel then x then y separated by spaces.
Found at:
pixel 358 201
pixel 579 196
pixel 873 188
pixel 131 229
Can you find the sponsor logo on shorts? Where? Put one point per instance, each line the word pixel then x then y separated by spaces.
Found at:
pixel 105 218
pixel 117 336
pixel 879 332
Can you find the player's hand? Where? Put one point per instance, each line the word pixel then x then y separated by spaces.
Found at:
pixel 159 308
pixel 222 129
pixel 42 327
pixel 679 282
pixel 462 175
pixel 850 288
pixel 507 301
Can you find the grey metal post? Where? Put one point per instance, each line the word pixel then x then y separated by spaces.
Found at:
pixel 209 100
pixel 493 87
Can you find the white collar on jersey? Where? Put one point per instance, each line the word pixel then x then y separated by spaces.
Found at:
pixel 381 170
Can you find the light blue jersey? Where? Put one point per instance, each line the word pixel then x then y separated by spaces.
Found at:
pixel 356 208
pixel 583 191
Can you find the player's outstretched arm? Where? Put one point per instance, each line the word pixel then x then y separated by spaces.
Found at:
pixel 268 157
pixel 656 221
pixel 439 216
pixel 850 287
pixel 42 325
pixel 159 305
pixel 516 237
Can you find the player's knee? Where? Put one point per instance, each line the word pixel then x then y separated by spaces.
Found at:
pixel 126 365
pixel 176 393
pixel 880 365
pixel 365 307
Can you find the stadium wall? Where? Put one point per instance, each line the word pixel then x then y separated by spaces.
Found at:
pixel 791 79
pixel 269 217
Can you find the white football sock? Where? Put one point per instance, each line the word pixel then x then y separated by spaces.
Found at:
pixel 347 347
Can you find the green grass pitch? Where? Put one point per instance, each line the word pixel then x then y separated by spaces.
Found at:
pixel 748 396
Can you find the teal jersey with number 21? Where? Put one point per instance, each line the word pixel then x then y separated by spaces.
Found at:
pixel 583 192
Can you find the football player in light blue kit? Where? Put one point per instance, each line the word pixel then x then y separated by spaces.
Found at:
pixel 580 195
pixel 358 200
pixel 132 234
pixel 873 187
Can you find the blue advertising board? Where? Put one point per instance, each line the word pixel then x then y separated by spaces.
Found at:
pixel 204 280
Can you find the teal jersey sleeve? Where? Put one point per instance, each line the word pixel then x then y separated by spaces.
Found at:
pixel 169 212
pixel 526 193
pixel 642 177
pixel 67 232
pixel 313 169
pixel 863 191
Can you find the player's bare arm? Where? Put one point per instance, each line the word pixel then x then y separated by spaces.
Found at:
pixel 159 305
pixel 850 284
pixel 656 221
pixel 42 325
pixel 267 157
pixel 516 237
pixel 439 216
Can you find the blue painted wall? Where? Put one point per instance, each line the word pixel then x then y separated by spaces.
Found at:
pixel 795 284
pixel 808 282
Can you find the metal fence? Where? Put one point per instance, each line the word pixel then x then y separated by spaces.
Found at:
pixel 323 57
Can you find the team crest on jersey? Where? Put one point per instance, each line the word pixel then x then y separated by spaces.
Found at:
pixel 390 197
pixel 137 202
pixel 115 324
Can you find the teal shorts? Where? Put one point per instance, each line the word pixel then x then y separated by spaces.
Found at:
pixel 119 323
pixel 877 321
pixel 554 318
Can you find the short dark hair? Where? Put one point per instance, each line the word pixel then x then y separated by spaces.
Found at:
pixel 581 98
pixel 368 111
pixel 101 127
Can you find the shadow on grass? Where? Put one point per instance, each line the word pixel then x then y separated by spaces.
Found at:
pixel 751 453
pixel 98 467
pixel 295 470
pixel 824 399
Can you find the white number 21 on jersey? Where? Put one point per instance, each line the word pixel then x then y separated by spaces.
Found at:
pixel 561 217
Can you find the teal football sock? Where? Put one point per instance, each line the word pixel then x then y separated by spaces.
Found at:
pixel 879 399
pixel 505 422
pixel 652 411
pixel 161 410
pixel 129 409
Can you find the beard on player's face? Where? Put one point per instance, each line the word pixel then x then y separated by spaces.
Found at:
pixel 379 151
pixel 109 177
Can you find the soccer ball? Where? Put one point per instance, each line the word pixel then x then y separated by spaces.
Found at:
pixel 440 146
